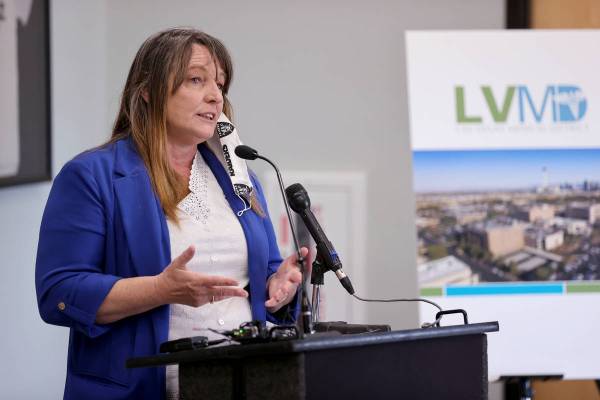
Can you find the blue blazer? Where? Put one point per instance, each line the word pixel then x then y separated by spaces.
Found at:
pixel 103 222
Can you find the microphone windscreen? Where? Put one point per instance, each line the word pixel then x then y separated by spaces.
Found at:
pixel 246 152
pixel 297 197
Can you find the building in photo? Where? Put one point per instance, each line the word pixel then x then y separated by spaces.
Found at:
pixel 585 211
pixel 544 238
pixel 498 237
pixel 445 271
pixel 535 213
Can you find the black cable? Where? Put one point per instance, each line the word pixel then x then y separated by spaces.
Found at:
pixel 424 325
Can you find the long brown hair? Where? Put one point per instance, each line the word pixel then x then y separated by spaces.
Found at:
pixel 157 71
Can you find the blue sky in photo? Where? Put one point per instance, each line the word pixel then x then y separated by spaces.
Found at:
pixel 476 170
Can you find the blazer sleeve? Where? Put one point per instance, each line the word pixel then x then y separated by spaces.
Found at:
pixel 289 312
pixel 69 277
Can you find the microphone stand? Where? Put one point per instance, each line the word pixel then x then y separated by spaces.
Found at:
pixel 317 279
pixel 305 308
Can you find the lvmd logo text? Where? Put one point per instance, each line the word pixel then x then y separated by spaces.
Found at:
pixel 557 104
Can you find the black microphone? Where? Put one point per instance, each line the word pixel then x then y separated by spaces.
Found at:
pixel 248 153
pixel 300 203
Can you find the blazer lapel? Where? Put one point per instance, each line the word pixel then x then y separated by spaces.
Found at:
pixel 143 220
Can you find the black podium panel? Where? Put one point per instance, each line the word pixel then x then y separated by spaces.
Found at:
pixel 435 363
pixel 273 377
pixel 450 368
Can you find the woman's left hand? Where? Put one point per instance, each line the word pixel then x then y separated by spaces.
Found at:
pixel 284 282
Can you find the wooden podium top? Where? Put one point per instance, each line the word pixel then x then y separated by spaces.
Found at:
pixel 316 342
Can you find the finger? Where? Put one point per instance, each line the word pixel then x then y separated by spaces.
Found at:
pixel 219 298
pixel 225 292
pixel 181 260
pixel 304 251
pixel 293 259
pixel 295 277
pixel 271 303
pixel 215 280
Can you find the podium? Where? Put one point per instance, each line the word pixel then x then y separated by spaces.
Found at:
pixel 435 363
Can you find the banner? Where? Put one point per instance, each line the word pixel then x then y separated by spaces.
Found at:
pixel 505 131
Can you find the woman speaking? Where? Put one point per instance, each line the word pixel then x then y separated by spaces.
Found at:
pixel 161 233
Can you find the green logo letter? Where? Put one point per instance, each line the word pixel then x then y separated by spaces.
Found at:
pixel 461 116
pixel 498 115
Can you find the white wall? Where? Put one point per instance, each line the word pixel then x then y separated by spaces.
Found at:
pixel 309 77
pixel 33 353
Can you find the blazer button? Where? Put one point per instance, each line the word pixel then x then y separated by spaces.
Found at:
pixel 61 306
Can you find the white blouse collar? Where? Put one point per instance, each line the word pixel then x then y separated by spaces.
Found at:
pixel 195 204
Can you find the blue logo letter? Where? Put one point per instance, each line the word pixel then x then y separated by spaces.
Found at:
pixel 571 103
pixel 524 92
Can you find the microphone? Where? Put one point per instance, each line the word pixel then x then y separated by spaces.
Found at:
pixel 248 153
pixel 300 203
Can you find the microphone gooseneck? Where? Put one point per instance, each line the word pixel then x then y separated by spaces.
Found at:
pixel 248 153
pixel 300 203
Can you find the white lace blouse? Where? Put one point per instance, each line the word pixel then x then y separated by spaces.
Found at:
pixel 207 221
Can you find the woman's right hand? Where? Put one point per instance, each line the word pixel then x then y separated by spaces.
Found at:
pixel 178 285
